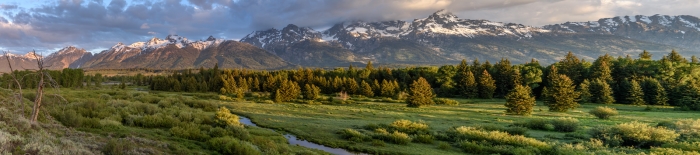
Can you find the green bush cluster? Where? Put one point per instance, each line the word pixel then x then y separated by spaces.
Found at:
pixel 603 112
pixel 564 124
pixel 463 133
pixel 513 130
pixel 409 127
pixel 445 101
pixel 634 134
pixel 230 145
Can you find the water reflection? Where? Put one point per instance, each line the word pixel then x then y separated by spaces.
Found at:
pixel 295 141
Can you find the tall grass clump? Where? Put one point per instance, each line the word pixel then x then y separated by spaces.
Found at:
pixel 353 135
pixel 689 129
pixel 495 137
pixel 225 117
pixel 565 124
pixel 445 101
pixel 409 127
pixel 634 134
pixel 603 112
pixel 230 145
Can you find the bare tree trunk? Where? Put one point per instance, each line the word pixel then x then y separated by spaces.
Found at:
pixel 14 77
pixel 39 89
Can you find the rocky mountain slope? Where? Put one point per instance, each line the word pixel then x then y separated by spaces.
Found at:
pixel 443 38
pixel 680 31
pixel 439 38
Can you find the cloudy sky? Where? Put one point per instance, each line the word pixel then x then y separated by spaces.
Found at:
pixel 48 25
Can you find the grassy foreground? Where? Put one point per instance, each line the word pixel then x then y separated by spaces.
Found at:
pixel 321 123
pixel 115 121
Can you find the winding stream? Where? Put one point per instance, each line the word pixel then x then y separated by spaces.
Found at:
pixel 295 141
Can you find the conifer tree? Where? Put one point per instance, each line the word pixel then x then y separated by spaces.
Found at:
pixel 387 89
pixel 584 91
pixel 420 94
pixel 366 89
pixel 288 90
pixel 369 66
pixel 311 92
pixel 572 67
pixel 176 86
pixel 351 86
pixel 601 92
pixel 654 93
pixel 471 89
pixel 461 77
pixel 503 75
pixel 635 95
pixel 645 55
pixel 676 57
pixel 560 95
pixel 487 86
pixel 376 87
pixel 520 101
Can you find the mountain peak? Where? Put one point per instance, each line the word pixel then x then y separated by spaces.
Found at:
pixel 211 38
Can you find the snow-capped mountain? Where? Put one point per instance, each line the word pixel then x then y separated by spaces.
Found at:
pixel 681 31
pixel 68 57
pixel 439 37
pixel 176 52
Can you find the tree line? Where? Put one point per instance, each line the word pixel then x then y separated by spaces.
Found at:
pixel 639 80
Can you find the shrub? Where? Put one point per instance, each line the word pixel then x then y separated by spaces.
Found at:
pixel 444 146
pixel 495 137
pixel 603 112
pixel 513 130
pixel 445 101
pixel 685 146
pixel 424 138
pixel 407 126
pixel 117 147
pixel 225 117
pixel 189 131
pixel 689 129
pixel 566 124
pixel 399 138
pixel 377 142
pixel 634 134
pixel 353 134
pixel 230 145
pixel 671 151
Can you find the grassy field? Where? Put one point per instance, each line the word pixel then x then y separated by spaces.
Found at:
pixel 320 123
pixel 109 121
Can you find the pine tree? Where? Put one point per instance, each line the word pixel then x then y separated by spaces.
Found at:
pixel 654 93
pixel 350 86
pixel 420 94
pixel 561 95
pixel 504 77
pixel 487 86
pixel 645 55
pixel 471 86
pixel 366 89
pixel 288 90
pixel 584 91
pixel 369 66
pixel 520 101
pixel 311 92
pixel 376 87
pixel 572 67
pixel 676 57
pixel 635 95
pixel 601 92
pixel 387 89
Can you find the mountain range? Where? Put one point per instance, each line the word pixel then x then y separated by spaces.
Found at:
pixel 440 38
